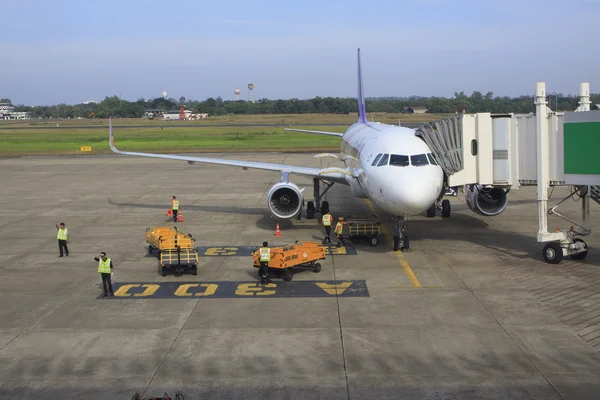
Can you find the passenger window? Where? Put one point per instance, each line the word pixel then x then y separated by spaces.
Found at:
pixel 399 160
pixel 376 159
pixel 384 160
pixel 432 159
pixel 474 147
pixel 418 160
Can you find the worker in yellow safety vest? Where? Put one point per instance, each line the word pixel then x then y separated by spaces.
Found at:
pixel 105 267
pixel 327 219
pixel 63 239
pixel 339 229
pixel 265 257
pixel 175 208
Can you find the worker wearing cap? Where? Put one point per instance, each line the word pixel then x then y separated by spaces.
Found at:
pixel 327 218
pixel 105 267
pixel 339 229
pixel 63 239
pixel 264 258
pixel 175 208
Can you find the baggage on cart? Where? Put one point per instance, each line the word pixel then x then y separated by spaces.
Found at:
pixel 176 251
pixel 299 254
pixel 364 226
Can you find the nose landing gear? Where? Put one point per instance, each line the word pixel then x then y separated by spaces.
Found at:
pixel 400 239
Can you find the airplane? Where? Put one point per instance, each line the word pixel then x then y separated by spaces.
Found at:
pixel 387 164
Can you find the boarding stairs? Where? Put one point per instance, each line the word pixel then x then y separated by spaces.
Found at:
pixel 595 193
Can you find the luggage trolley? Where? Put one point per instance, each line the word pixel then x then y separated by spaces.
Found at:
pixel 300 254
pixel 364 226
pixel 176 251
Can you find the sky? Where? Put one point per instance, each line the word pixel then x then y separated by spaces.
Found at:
pixel 67 51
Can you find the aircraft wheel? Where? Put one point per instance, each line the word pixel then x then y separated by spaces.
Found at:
pixel 396 243
pixel 446 208
pixel 431 211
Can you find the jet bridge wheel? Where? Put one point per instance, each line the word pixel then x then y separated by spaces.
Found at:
pixel 446 208
pixel 553 253
pixel 583 254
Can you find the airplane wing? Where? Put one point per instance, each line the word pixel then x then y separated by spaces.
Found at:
pixel 337 175
pixel 317 132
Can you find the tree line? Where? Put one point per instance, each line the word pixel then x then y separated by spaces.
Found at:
pixel 476 102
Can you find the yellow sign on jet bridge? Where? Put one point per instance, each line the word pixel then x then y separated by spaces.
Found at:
pixel 85 148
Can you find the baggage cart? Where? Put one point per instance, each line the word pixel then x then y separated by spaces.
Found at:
pixel 176 251
pixel 299 254
pixel 364 226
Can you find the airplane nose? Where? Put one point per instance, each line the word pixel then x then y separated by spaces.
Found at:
pixel 418 196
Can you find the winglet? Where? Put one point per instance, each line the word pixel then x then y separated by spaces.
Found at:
pixel 111 138
pixel 362 113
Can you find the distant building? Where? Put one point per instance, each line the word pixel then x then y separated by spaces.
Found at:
pixel 415 110
pixel 90 102
pixel 7 111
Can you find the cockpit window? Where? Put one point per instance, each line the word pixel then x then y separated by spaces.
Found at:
pixel 418 160
pixel 384 160
pixel 432 159
pixel 376 159
pixel 399 160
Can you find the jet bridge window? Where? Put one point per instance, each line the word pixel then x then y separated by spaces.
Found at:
pixel 418 160
pixel 432 159
pixel 374 163
pixel 399 160
pixel 384 160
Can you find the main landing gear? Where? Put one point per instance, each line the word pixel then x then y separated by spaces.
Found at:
pixel 400 239
pixel 316 206
pixel 443 206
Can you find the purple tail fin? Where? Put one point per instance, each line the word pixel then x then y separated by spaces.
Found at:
pixel 362 112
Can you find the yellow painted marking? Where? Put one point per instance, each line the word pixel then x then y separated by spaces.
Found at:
pixel 85 148
pixel 407 269
pixel 334 289
pixel 250 289
pixel 336 250
pixel 221 251
pixel 149 291
pixel 182 290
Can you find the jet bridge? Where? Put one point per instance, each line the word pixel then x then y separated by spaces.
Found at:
pixel 488 155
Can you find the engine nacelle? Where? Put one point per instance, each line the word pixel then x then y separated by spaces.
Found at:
pixel 486 201
pixel 285 200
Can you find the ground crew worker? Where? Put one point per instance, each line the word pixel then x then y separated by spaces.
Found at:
pixel 63 239
pixel 105 267
pixel 327 218
pixel 175 208
pixel 339 229
pixel 265 257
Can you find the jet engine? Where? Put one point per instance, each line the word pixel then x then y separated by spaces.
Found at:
pixel 486 201
pixel 285 200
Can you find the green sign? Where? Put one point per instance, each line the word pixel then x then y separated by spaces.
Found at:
pixel 582 143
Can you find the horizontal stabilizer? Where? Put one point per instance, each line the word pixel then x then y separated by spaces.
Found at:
pixel 317 132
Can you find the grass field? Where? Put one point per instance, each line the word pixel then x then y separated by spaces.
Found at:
pixel 32 137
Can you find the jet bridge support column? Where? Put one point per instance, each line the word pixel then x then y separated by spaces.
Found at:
pixel 559 243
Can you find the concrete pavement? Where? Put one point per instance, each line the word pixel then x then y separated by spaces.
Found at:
pixel 487 319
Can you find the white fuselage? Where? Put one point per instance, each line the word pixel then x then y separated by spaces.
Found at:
pixel 401 184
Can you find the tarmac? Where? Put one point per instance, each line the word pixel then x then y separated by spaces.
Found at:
pixel 472 312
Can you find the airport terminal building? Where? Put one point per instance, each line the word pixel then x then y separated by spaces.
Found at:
pixel 7 111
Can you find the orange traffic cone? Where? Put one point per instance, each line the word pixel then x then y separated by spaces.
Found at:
pixel 169 213
pixel 277 233
pixel 180 216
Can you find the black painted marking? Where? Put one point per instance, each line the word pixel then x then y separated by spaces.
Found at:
pixel 246 251
pixel 242 289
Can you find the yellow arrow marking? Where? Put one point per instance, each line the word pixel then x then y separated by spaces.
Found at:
pixel 334 289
